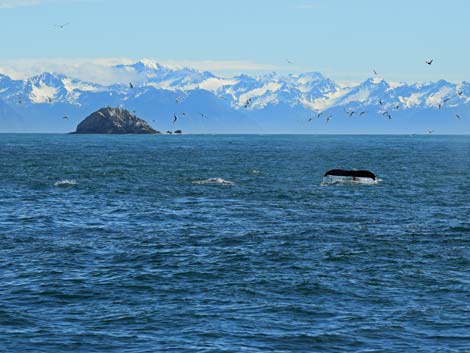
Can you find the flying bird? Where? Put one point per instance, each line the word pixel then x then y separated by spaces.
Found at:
pixel 328 118
pixel 309 119
pixel 362 113
pixel 319 114
pixel 446 100
pixel 131 85
pixel 381 102
pixel 387 114
pixel 49 99
pixel 457 116
pixel 65 118
pixel 397 106
pixel 351 113
pixel 289 62
pixel 183 114
pixel 375 72
pixel 174 118
pixel 430 131
pixel 460 93
pixel 429 62
pixel 203 115
pixel 440 106
pixel 247 103
pixel 62 25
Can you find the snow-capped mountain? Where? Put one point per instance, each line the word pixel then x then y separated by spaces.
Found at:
pixel 208 103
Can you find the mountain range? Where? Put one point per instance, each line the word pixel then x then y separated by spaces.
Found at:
pixel 205 103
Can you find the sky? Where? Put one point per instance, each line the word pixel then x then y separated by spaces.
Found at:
pixel 344 39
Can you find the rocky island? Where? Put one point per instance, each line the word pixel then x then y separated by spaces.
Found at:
pixel 114 121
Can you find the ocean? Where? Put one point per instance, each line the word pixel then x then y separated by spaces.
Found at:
pixel 229 243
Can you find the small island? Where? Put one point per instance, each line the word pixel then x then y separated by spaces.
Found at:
pixel 114 121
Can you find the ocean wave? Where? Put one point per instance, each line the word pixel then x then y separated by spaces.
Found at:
pixel 214 181
pixel 65 183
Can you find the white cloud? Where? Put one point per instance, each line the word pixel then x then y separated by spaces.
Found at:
pixel 9 4
pixel 221 65
pixel 309 5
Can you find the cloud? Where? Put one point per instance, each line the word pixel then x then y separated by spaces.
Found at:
pixel 101 70
pixel 222 65
pixel 309 5
pixel 9 4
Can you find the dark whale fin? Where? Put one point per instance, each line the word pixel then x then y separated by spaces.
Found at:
pixel 351 173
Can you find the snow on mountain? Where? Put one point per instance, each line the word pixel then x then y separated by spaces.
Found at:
pixel 149 73
pixel 161 91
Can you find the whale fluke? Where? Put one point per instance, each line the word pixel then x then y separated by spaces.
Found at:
pixel 351 173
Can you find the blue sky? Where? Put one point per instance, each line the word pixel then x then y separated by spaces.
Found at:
pixel 344 39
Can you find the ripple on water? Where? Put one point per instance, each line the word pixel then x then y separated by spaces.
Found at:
pixel 145 253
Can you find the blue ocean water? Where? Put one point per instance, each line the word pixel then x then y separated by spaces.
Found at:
pixel 126 244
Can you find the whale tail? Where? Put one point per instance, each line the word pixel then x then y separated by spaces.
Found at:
pixel 351 173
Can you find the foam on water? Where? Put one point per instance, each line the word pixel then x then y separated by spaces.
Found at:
pixel 344 180
pixel 214 181
pixel 65 183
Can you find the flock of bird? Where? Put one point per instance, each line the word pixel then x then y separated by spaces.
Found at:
pixel 249 101
pixel 387 113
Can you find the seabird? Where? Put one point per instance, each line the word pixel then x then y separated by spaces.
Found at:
pixel 375 72
pixel 381 102
pixel 446 100
pixel 430 131
pixel 397 106
pixel 309 119
pixel 174 118
pixel 351 113
pixel 203 115
pixel 183 114
pixel 362 113
pixel 328 118
pixel 387 114
pixel 247 103
pixel 62 25
pixel 429 62
pixel 440 105
pixel 319 114
pixel 457 116
pixel 289 62
pixel 49 99
pixel 131 85
pixel 460 93
pixel 65 117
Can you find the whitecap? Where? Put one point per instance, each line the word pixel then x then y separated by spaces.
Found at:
pixel 214 181
pixel 65 183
